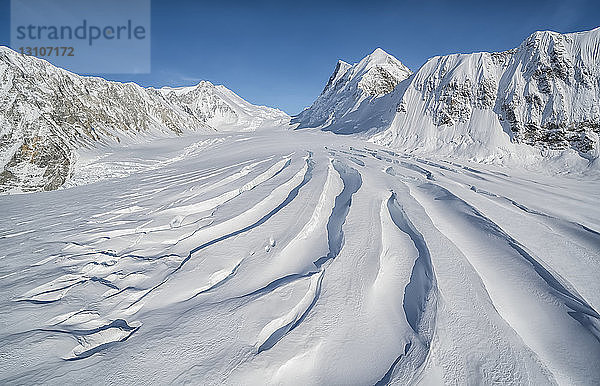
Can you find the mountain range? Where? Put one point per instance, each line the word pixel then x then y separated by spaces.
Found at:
pixel 541 98
pixel 544 93
pixel 47 113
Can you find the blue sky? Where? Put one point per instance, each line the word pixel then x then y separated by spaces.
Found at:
pixel 280 53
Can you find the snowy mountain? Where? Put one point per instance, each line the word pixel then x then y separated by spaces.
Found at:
pixel 350 91
pixel 47 113
pixel 544 93
pixel 221 108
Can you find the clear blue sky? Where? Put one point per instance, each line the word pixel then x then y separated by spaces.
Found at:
pixel 280 53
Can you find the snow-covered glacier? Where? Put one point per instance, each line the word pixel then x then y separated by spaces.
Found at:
pixel 406 228
pixel 269 258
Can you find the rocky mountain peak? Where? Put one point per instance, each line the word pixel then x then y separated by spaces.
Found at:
pixel 382 73
pixel 349 86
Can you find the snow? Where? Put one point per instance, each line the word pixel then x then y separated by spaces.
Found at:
pixel 268 258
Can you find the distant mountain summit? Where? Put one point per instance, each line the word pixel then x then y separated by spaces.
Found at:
pixel 222 109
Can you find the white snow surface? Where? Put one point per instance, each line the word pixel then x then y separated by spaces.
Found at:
pixel 300 257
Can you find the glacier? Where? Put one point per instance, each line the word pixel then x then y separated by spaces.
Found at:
pixel 268 258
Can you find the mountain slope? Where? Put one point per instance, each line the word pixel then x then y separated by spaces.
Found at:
pixel 545 93
pixel 46 113
pixel 350 89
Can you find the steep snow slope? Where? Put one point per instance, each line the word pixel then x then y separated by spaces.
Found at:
pixel 267 258
pixel 47 113
pixel 351 88
pixel 221 108
pixel 544 93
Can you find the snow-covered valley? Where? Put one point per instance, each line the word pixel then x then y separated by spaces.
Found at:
pixel 435 227
pixel 271 258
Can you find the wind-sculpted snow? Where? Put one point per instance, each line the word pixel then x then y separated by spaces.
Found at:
pixel 290 257
pixel 422 279
pixel 335 240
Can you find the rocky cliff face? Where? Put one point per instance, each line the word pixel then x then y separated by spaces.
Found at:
pixel 551 91
pixel 46 113
pixel 544 93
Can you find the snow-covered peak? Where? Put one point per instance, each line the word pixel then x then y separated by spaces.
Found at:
pixel 377 57
pixel 380 57
pixel 165 90
pixel 350 86
pixel 552 49
pixel 379 53
pixel 380 73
